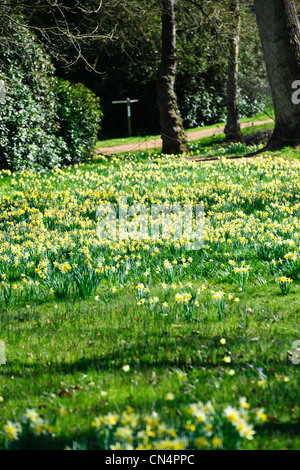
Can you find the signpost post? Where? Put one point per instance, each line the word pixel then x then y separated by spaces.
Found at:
pixel 2 92
pixel 128 102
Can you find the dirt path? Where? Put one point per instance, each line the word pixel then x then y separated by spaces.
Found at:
pixel 157 143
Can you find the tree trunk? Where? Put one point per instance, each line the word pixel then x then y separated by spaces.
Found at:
pixel 172 132
pixel 233 126
pixel 279 31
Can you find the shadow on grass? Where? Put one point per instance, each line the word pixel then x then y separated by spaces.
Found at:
pixel 193 350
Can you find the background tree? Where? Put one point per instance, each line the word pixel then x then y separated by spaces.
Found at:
pixel 128 55
pixel 123 57
pixel 279 30
pixel 172 132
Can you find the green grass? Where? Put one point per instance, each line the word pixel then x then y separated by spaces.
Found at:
pixel 64 357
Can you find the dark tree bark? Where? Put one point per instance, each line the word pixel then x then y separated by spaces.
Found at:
pixel 279 31
pixel 172 132
pixel 233 126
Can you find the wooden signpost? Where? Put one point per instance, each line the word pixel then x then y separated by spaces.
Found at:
pixel 128 102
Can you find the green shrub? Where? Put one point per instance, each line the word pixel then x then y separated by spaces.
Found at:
pixel 79 115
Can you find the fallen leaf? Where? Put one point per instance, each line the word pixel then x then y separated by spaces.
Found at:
pixel 64 392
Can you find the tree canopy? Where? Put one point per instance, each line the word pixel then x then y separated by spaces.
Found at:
pixel 114 48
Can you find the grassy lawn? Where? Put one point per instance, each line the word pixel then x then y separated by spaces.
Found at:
pixel 201 145
pixel 121 344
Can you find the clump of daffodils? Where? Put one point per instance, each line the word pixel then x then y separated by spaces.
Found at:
pixel 183 298
pixel 242 274
pixel 32 423
pixel 50 252
pixel 187 301
pixel 12 430
pixel 284 284
pixel 219 300
pixel 37 424
pixel 239 418
pixel 202 427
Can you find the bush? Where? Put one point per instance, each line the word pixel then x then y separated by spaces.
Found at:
pixel 28 118
pixel 79 115
pixel 202 108
pixel 45 121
